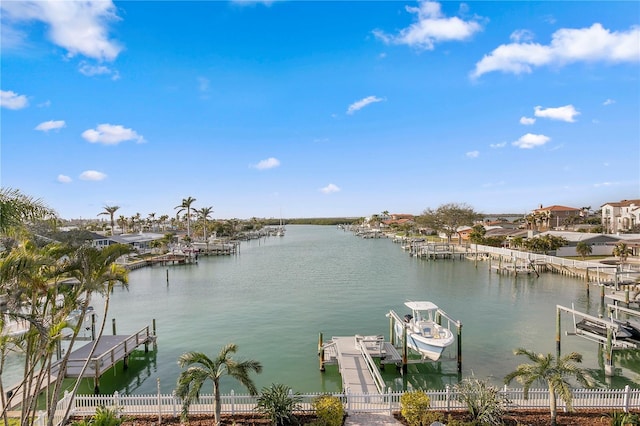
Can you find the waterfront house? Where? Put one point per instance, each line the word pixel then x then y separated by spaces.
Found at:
pixel 556 216
pixel 601 244
pixel 621 216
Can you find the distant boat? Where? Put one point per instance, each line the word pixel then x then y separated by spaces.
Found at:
pixel 424 334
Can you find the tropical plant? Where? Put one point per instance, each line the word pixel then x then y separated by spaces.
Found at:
pixel 554 372
pixel 583 249
pixel 484 402
pixel 17 209
pixel 279 403
pixel 477 234
pixel 186 205
pixel 329 409
pixel 102 417
pixel 110 211
pixel 621 251
pixel 204 214
pixel 414 407
pixel 619 418
pixel 201 368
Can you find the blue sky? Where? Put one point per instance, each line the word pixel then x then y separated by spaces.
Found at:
pixel 320 109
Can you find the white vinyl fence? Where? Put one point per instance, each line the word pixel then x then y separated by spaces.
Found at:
pixel 168 405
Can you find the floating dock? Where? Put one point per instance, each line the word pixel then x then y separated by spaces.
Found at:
pixel 355 357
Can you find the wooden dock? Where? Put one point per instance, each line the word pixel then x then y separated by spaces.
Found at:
pixel 109 350
pixel 355 357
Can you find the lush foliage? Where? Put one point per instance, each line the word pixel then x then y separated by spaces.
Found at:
pixel 329 410
pixel 103 417
pixel 414 407
pixel 552 371
pixel 619 418
pixel 279 403
pixel 583 249
pixel 484 402
pixel 448 218
pixel 544 244
pixel 201 368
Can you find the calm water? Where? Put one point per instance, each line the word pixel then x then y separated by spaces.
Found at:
pixel 274 298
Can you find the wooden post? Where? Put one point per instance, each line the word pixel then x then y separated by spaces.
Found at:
pixel 602 294
pixel 459 347
pixel 626 295
pixel 405 360
pixel 93 327
pixel 155 345
pixel 320 352
pixel 558 334
pixel 392 330
pixel 113 325
pixel 167 277
pixel 608 365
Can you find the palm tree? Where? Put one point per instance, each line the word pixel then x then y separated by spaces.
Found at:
pixel 97 272
pixel 122 223
pixel 622 251
pixel 204 214
pixel 186 205
pixel 546 368
pixel 111 211
pixel 201 368
pixel 583 249
pixel 16 209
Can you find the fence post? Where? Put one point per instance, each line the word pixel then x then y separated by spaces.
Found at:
pixel 625 399
pixel 159 403
pixel 346 394
pixel 173 403
pixel 116 398
pixel 233 402
pixel 448 397
pixel 389 397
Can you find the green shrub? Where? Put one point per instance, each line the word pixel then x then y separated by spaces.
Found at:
pixel 484 402
pixel 414 407
pixel 279 404
pixel 619 418
pixel 329 410
pixel 103 417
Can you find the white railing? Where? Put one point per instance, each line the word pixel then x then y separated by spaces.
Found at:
pixel 169 405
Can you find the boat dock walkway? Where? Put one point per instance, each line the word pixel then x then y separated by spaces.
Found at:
pixel 355 358
pixel 109 350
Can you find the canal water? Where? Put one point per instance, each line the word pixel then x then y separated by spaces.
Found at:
pixel 276 296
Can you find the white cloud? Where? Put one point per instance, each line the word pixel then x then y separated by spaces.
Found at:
pixel 521 35
pixel 431 27
pixel 329 189
pixel 498 145
pixel 269 163
pixel 50 125
pixel 91 70
pixel 92 175
pixel 80 27
pixel 564 113
pixel 531 140
pixel 527 121
pixel 63 179
pixel 45 104
pixel 609 102
pixel 110 134
pixel 473 154
pixel 567 45
pixel 358 105
pixel 12 100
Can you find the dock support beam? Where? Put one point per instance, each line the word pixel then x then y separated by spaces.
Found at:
pixel 459 347
pixel 321 352
pixel 405 357
pixel 558 333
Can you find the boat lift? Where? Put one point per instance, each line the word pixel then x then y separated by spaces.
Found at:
pixel 608 338
pixel 440 314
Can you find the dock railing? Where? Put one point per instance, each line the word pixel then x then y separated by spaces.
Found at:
pixel 169 405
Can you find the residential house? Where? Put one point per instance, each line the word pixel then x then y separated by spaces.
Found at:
pixel 554 216
pixel 621 216
pixel 601 244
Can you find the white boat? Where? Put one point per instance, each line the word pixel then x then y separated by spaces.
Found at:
pixel 424 334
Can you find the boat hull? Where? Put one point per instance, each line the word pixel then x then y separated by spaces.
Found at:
pixel 430 348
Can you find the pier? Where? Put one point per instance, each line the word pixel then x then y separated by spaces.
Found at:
pixel 109 350
pixel 355 357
